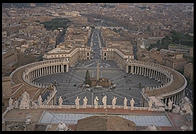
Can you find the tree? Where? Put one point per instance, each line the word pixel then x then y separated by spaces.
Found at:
pixel 87 78
pixel 140 85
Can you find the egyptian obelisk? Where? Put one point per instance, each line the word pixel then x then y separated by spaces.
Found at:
pixel 97 71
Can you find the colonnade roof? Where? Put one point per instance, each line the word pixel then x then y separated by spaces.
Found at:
pixel 178 82
pixel 17 79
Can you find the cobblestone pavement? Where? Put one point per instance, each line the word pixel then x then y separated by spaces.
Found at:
pixel 69 85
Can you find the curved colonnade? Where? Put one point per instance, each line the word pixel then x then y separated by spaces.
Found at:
pixel 39 69
pixel 172 82
pixel 27 73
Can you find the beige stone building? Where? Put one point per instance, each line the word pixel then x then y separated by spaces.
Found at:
pixel 175 61
pixel 188 71
pixel 71 54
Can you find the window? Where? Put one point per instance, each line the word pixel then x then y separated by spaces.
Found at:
pixel 104 54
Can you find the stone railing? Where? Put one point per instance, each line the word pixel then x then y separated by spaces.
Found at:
pixel 51 96
pixel 99 106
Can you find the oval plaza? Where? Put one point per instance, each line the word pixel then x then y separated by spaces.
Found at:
pixel 60 80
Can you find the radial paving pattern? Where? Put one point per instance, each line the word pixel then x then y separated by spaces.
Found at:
pixel 69 84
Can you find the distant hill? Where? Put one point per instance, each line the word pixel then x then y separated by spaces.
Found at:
pixel 24 5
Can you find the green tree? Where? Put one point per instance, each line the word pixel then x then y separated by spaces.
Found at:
pixel 140 85
pixel 87 78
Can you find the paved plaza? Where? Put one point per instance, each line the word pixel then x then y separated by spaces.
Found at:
pixel 69 84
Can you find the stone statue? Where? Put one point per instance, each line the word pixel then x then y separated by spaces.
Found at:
pixel 24 104
pixel 170 104
pixel 77 102
pixel 96 102
pixel 114 102
pixel 34 105
pixel 62 127
pixel 150 105
pixel 132 102
pixel 16 104
pixel 10 102
pixel 60 101
pixel 85 102
pixel 40 100
pixel 125 103
pixel 104 101
pixel 176 109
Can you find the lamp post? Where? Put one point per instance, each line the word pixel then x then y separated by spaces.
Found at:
pixel 92 97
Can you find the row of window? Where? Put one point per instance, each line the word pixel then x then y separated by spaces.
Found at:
pixel 56 56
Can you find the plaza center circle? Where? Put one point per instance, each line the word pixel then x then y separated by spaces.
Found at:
pixel 69 84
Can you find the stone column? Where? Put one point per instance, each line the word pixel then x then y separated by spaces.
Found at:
pixel 144 71
pixel 153 71
pixel 49 68
pixel 59 68
pixel 174 99
pixel 30 76
pixel 155 74
pixel 62 68
pixel 140 70
pixel 180 95
pixel 38 72
pixel 137 70
pixel 46 70
pixel 127 69
pixel 132 69
pixel 159 76
pixel 148 72
pixel 35 73
pixel 43 71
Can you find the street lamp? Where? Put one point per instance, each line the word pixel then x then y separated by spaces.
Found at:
pixel 92 96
